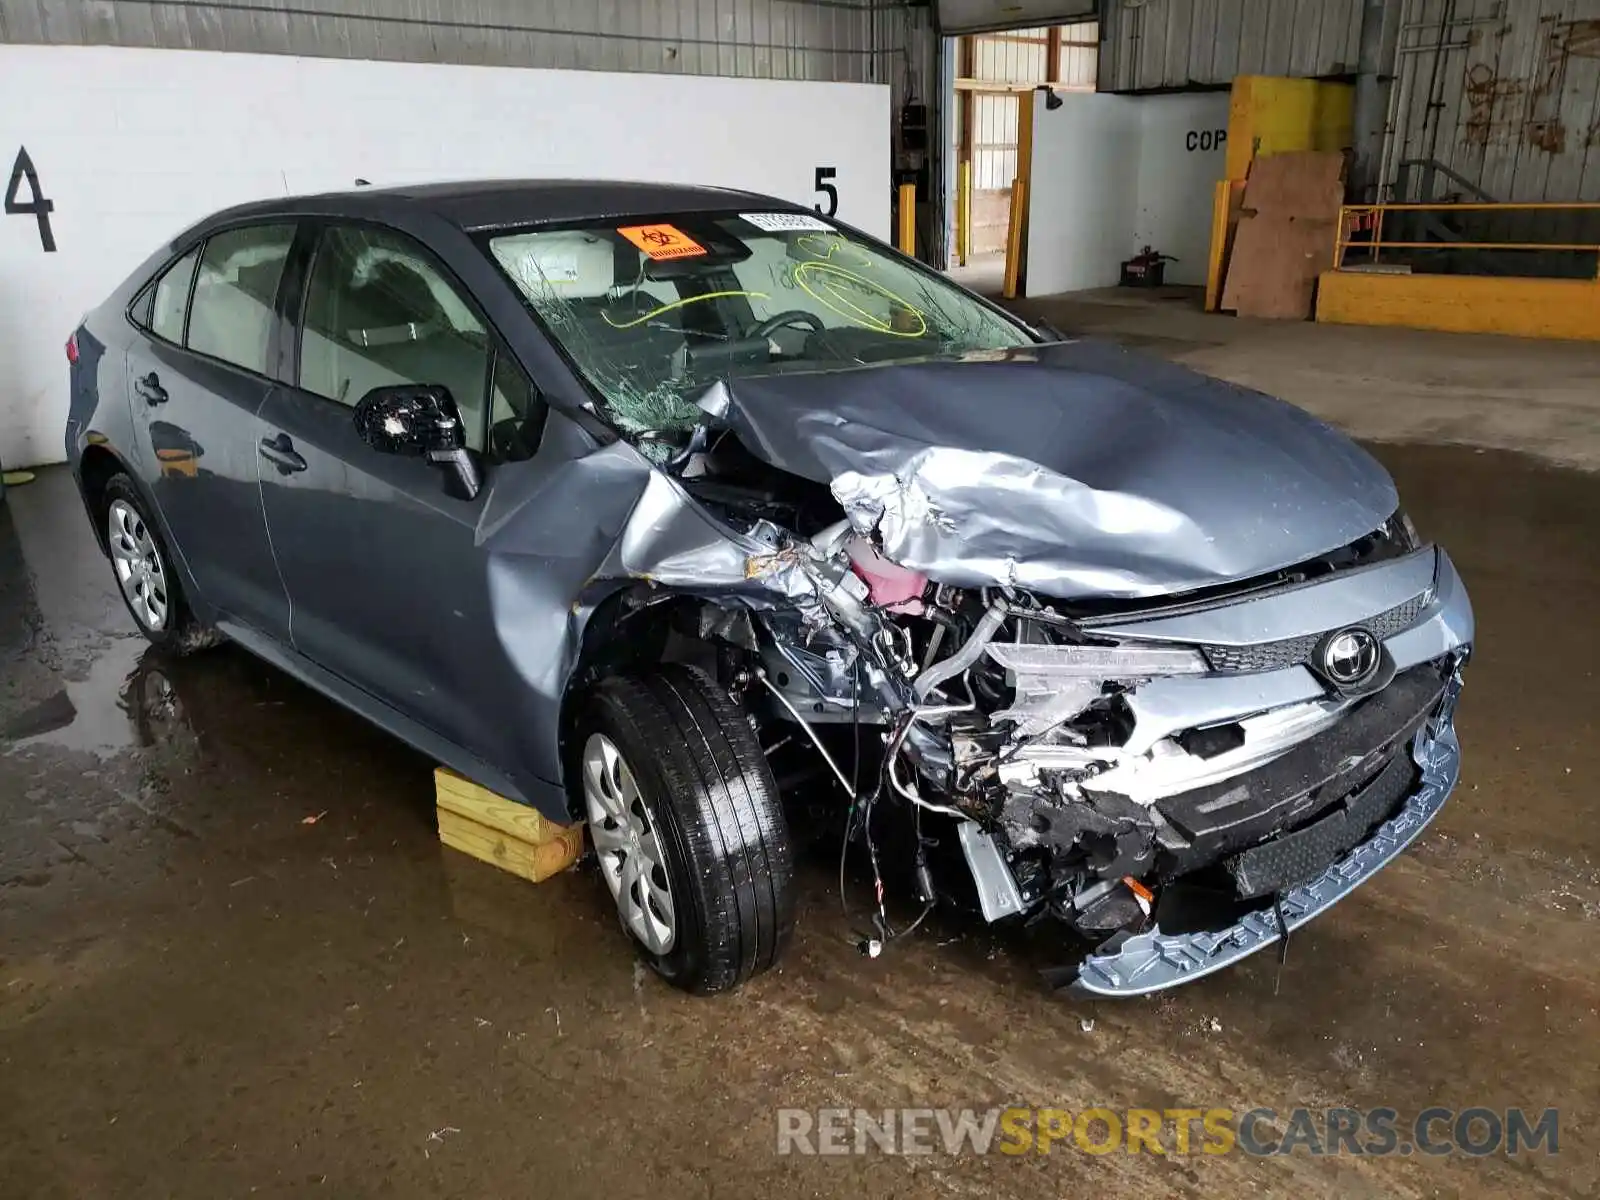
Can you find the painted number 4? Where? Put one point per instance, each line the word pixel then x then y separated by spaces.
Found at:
pixel 37 206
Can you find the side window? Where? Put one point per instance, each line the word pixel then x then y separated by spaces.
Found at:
pixel 378 312
pixel 231 317
pixel 171 298
pixel 139 310
pixel 516 412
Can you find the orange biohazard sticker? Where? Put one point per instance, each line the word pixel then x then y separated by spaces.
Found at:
pixel 662 241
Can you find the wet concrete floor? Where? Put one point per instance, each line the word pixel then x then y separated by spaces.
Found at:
pixel 234 959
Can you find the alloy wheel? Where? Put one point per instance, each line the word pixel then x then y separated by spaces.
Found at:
pixel 626 841
pixel 141 573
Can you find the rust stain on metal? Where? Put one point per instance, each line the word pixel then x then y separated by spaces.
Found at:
pixel 1549 136
pixel 1542 127
pixel 1581 39
pixel 1489 103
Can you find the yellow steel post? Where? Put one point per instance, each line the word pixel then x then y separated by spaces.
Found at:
pixel 1017 233
pixel 1221 202
pixel 963 212
pixel 908 219
pixel 1019 207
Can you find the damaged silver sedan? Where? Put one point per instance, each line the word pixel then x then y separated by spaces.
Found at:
pixel 746 522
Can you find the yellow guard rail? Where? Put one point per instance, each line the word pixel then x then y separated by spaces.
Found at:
pixel 1357 219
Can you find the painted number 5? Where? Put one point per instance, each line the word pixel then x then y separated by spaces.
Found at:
pixel 824 174
pixel 37 206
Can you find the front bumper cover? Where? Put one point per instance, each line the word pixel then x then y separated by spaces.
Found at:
pixel 1152 961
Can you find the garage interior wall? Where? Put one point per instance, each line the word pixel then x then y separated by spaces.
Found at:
pixel 841 41
pixel 1492 100
pixel 772 122
pixel 1112 174
pixel 1163 44
pixel 1503 99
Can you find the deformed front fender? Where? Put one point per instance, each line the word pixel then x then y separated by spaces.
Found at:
pixel 567 531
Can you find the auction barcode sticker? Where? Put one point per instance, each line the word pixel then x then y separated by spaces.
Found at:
pixel 786 222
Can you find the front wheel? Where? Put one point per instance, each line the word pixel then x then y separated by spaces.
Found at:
pixel 687 826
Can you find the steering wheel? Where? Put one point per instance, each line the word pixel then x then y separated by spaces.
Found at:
pixel 794 316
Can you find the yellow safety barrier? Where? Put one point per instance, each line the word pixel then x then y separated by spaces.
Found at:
pixel 1374 291
pixel 1017 231
pixel 963 212
pixel 1357 218
pixel 908 219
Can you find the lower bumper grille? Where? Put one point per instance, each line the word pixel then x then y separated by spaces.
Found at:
pixel 1304 854
pixel 1300 786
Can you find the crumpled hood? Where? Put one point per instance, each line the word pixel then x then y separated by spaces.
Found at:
pixel 1075 469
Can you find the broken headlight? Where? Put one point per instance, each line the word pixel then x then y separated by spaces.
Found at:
pixel 1401 532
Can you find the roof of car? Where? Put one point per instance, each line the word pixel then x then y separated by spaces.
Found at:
pixel 499 203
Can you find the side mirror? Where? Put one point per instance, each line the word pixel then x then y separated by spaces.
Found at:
pixel 419 420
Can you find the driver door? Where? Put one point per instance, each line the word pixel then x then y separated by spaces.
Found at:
pixel 380 559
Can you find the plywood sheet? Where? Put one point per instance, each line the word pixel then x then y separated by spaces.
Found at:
pixel 1275 264
pixel 1284 239
pixel 1303 183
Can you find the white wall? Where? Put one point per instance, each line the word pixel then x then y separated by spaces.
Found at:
pixel 132 145
pixel 1112 174
pixel 1083 198
pixel 1182 153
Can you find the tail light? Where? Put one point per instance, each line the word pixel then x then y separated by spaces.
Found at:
pixel 72 348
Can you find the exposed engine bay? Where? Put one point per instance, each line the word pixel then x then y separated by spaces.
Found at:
pixel 1095 755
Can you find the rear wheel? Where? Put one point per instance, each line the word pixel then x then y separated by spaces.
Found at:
pixel 144 574
pixel 687 826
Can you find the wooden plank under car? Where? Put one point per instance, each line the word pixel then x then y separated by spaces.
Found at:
pixel 514 837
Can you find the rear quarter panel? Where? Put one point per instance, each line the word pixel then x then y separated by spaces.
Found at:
pixel 97 400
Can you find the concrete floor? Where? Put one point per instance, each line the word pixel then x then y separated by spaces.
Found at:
pixel 234 958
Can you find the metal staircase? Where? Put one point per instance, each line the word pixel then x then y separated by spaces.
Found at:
pixel 1428 181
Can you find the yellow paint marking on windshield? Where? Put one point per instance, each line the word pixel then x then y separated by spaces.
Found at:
pixel 833 282
pixel 829 243
pixel 656 312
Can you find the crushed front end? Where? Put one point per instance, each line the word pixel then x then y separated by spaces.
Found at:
pixel 1180 783
pixel 1137 652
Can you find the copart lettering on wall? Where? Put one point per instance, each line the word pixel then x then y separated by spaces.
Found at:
pixel 1204 139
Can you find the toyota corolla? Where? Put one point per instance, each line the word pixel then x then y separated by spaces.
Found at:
pixel 695 515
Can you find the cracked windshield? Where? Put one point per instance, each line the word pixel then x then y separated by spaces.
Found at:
pixel 655 313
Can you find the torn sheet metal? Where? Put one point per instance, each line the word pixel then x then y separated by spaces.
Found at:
pixel 567 529
pixel 1074 469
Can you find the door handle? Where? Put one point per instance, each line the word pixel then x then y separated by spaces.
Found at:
pixel 280 451
pixel 149 389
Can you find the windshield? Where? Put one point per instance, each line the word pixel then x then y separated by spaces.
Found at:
pixel 654 313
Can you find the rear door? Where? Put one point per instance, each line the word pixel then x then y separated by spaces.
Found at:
pixel 195 382
pixel 388 584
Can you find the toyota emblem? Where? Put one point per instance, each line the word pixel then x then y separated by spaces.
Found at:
pixel 1350 656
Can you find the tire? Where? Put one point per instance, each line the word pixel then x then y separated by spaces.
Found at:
pixel 704 829
pixel 142 569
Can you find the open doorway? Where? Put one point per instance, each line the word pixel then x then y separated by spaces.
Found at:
pixel 992 71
